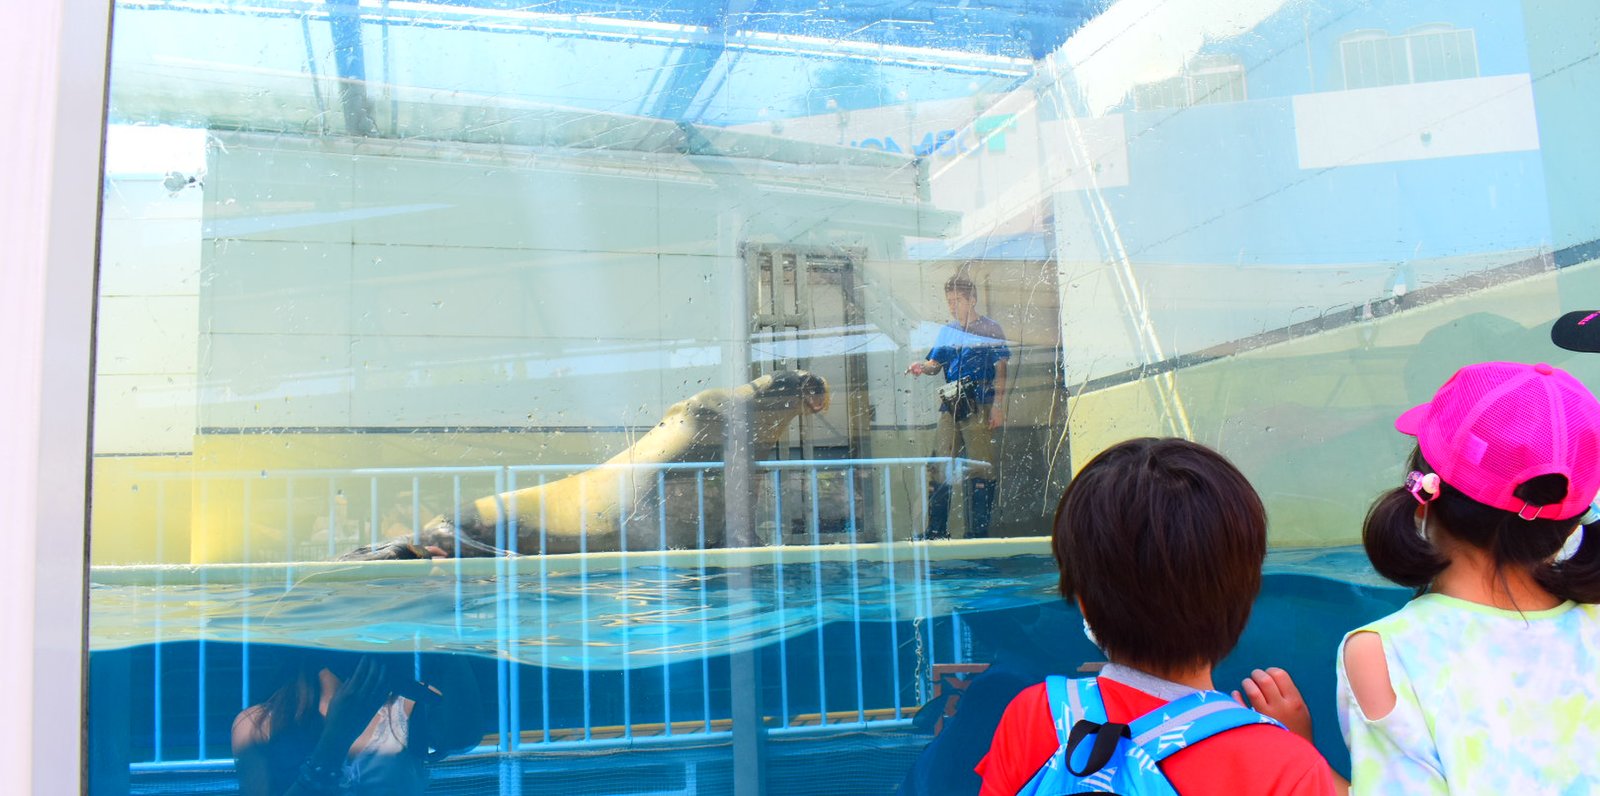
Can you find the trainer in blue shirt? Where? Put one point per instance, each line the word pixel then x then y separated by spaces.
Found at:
pixel 971 352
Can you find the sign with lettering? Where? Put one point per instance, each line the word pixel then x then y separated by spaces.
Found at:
pixel 985 132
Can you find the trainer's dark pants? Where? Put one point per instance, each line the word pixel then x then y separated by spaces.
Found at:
pixel 969 438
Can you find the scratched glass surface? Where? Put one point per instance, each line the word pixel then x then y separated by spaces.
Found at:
pixel 636 315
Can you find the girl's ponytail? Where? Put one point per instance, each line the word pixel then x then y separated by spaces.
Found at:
pixel 1399 551
pixel 1576 578
pixel 1402 553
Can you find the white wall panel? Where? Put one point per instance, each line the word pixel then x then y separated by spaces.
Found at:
pixel 457 291
pixel 1448 118
pixel 146 257
pixel 143 414
pixel 491 205
pixel 257 380
pixel 293 190
pixel 432 381
pixel 277 287
pixel 692 296
pixel 148 335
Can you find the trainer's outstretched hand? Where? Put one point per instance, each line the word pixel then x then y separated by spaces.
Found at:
pixel 1272 693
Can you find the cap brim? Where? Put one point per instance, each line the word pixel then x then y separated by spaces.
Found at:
pixel 1577 331
pixel 1410 421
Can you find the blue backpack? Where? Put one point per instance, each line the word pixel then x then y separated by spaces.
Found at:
pixel 1098 756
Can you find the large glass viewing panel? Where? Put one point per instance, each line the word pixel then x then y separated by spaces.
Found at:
pixel 618 311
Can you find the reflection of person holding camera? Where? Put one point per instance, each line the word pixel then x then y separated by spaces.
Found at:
pixel 971 351
pixel 349 724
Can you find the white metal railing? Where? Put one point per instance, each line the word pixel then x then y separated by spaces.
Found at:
pixel 879 697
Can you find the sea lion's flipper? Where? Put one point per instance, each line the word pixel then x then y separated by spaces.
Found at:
pixel 393 550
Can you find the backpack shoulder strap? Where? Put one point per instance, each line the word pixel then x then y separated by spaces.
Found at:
pixel 1074 704
pixel 1073 700
pixel 1056 688
pixel 1190 720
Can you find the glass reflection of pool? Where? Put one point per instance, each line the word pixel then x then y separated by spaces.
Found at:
pixel 614 650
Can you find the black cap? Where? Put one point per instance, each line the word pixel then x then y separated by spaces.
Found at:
pixel 1577 331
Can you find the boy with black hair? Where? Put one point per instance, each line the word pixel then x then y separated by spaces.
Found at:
pixel 1160 542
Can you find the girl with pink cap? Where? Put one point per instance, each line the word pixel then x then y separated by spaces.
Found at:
pixel 1489 680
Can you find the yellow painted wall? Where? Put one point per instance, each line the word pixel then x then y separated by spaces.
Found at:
pixel 197 505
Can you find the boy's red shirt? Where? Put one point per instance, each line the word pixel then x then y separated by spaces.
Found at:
pixel 1249 761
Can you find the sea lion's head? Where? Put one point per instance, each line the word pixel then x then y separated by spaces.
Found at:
pixel 791 393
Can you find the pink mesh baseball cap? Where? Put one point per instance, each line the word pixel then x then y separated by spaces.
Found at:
pixel 1495 425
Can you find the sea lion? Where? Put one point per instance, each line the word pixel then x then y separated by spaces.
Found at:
pixel 588 511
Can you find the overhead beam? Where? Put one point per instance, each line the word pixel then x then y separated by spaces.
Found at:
pixel 688 77
pixel 344 20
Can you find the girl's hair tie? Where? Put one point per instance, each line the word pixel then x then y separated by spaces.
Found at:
pixel 1423 486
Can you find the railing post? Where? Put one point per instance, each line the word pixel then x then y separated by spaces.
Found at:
pixel 158 696
pixel 777 589
pixel 855 595
pixel 200 646
pixel 894 593
pixel 625 475
pixel 583 610
pixel 513 612
pixel 749 734
pixel 705 597
pixel 820 606
pixel 666 596
pixel 544 616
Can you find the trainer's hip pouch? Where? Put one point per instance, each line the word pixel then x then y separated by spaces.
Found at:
pixel 959 398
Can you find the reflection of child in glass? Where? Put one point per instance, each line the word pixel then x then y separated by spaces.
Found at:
pixel 971 351
pixel 1160 542
pixel 1489 680
pixel 344 724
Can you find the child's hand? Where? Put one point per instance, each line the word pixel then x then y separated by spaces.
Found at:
pixel 1272 694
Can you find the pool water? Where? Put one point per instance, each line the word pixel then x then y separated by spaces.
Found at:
pixel 640 615
pixel 567 616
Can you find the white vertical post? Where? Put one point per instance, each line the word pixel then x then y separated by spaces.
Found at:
pixel 894 592
pixel 52 73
